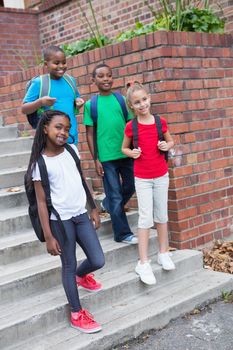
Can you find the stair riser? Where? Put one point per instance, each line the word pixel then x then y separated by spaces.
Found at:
pixel 12 200
pixel 12 179
pixel 54 318
pixel 38 282
pixel 14 161
pixel 19 145
pixel 19 289
pixel 8 132
pixel 22 251
pixel 17 224
pixel 157 321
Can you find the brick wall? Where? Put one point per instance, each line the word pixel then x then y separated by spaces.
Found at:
pixel 19 39
pixel 60 21
pixel 190 78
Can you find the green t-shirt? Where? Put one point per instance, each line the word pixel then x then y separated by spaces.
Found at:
pixel 110 127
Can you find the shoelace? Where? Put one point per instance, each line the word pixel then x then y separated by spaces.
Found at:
pixel 85 315
pixel 90 278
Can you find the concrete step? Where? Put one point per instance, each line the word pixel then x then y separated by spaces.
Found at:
pixel 46 311
pixel 12 197
pixel 14 160
pixel 16 219
pixel 12 177
pixel 27 276
pixel 122 317
pixel 20 246
pixel 20 144
pixel 8 132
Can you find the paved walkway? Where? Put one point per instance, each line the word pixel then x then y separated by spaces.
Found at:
pixel 211 329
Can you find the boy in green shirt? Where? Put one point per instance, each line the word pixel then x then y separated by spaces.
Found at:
pixel 110 163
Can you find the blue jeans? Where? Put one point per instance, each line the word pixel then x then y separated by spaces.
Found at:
pixel 119 187
pixel 78 229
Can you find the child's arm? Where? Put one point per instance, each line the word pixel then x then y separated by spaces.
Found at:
pixel 132 153
pixel 52 244
pixel 167 144
pixel 90 141
pixel 30 107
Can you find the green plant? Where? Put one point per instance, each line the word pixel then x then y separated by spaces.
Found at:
pixel 181 15
pixel 83 45
pixel 227 297
pixel 24 62
pixel 188 16
pixel 94 31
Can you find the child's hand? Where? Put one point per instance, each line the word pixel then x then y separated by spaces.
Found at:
pixel 99 168
pixel 47 101
pixel 79 102
pixel 163 146
pixel 53 247
pixel 136 152
pixel 95 218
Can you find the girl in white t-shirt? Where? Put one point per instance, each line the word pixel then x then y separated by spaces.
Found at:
pixel 69 199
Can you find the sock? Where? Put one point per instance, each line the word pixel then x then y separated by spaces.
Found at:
pixel 75 315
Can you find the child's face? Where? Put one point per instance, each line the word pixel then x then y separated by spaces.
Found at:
pixel 103 79
pixel 140 103
pixel 57 130
pixel 56 65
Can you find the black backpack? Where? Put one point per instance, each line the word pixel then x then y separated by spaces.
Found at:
pixel 31 195
pixel 33 118
pixel 158 125
pixel 94 114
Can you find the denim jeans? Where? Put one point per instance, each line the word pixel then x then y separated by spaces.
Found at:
pixel 119 187
pixel 79 230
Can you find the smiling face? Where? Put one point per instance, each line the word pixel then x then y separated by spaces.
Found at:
pixel 57 131
pixel 56 65
pixel 103 80
pixel 140 103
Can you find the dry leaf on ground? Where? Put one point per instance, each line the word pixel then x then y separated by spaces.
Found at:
pixel 220 256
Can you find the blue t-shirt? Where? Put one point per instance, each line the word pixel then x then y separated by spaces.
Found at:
pixel 65 98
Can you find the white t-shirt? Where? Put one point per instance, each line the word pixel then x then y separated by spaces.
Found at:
pixel 67 193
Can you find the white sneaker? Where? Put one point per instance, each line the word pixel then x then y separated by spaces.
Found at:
pixel 166 262
pixel 145 273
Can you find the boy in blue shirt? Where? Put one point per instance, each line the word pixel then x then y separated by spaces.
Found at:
pixel 61 95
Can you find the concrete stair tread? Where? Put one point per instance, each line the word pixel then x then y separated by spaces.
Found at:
pixel 9 213
pixel 14 153
pixel 36 264
pixel 55 297
pixel 23 138
pixel 13 170
pixel 5 191
pixel 128 318
pixel 24 268
pixel 13 240
pixel 29 235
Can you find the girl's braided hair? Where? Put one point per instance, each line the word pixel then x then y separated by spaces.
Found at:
pixel 40 139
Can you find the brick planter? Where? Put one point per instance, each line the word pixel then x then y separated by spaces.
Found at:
pixel 190 78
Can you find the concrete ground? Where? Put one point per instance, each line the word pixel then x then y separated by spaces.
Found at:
pixel 207 328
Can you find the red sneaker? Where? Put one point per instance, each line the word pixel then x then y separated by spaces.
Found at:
pixel 89 283
pixel 85 322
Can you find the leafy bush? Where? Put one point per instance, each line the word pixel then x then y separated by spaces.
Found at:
pixel 181 15
pixel 83 45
